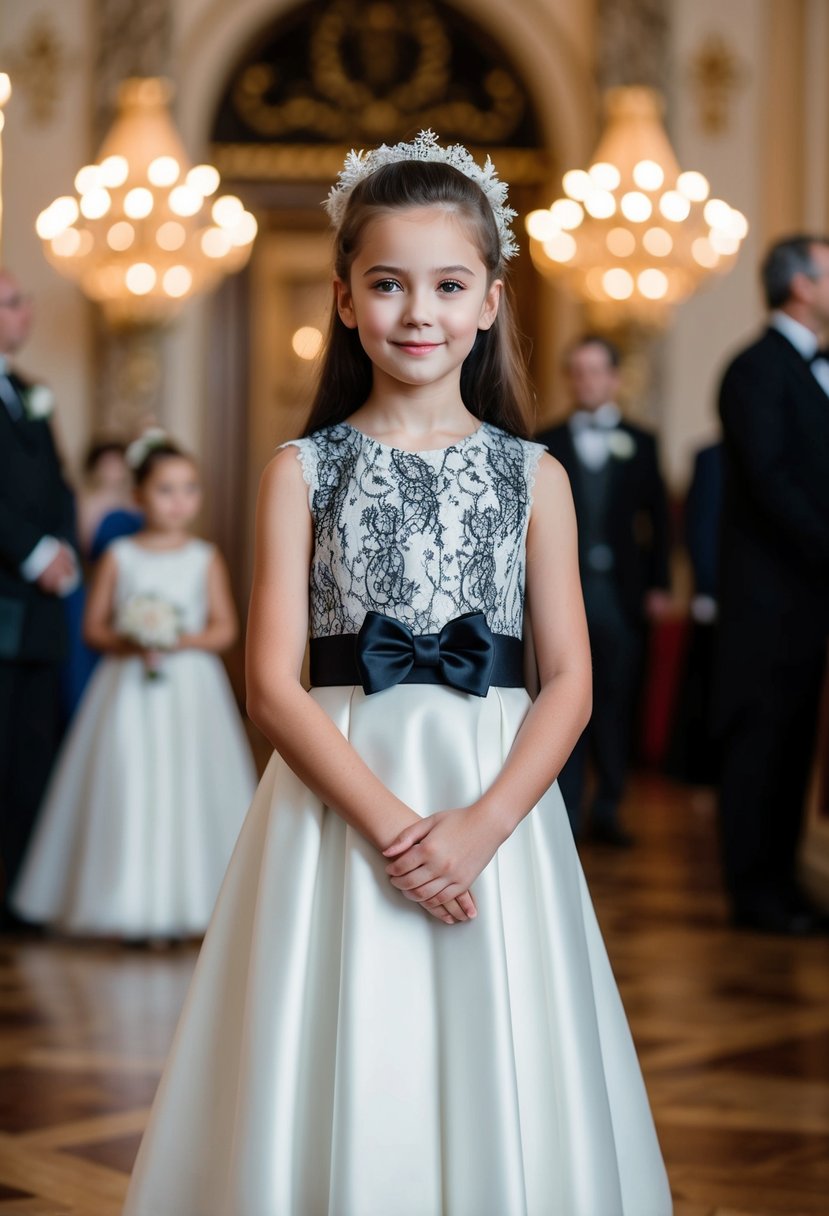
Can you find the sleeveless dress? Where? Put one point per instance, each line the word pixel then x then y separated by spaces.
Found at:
pixel 152 784
pixel 340 1052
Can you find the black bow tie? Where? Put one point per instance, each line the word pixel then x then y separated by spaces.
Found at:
pixel 463 652
pixel 821 355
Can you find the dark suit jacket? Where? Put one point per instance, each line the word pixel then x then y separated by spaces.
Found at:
pixel 774 564
pixel 34 502
pixel 703 508
pixel 636 514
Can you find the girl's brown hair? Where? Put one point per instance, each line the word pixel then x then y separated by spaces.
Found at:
pixel 494 382
pixel 155 457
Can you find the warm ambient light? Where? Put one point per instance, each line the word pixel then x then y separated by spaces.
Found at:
pixel 307 342
pixel 631 208
pixel 140 236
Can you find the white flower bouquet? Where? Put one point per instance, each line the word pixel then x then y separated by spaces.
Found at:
pixel 152 623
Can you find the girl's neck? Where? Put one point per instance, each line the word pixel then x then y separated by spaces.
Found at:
pixel 162 538
pixel 426 414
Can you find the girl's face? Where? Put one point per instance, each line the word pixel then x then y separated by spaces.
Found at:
pixel 171 496
pixel 418 293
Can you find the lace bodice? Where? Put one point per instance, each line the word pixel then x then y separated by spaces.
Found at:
pixel 420 536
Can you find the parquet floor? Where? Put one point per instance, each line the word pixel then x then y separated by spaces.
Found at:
pixel 732 1030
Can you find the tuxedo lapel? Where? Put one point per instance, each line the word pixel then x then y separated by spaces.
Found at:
pixel 800 368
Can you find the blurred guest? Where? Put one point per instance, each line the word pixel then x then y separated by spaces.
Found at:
pixel 693 751
pixel 622 515
pixel 105 510
pixel 774 587
pixel 38 565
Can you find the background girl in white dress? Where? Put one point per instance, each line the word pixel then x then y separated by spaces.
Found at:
pixel 403 1005
pixel 150 789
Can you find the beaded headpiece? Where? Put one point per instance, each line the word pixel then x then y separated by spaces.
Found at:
pixel 140 448
pixel 425 147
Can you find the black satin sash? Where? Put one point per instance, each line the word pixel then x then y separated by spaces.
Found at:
pixel 466 654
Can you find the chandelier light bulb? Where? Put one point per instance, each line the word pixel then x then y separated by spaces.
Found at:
pixel 703 252
pixel 618 283
pixel 674 206
pixel 113 171
pixel 737 225
pixel 652 283
pixel 227 210
pixel 215 242
pixel 621 242
pixel 138 203
pixel 566 213
pixel 88 178
pixel 177 281
pixel 658 242
pixel 605 176
pixel 67 243
pixel 636 206
pixel 120 236
pixel 204 179
pixel 577 184
pixel 244 230
pixel 540 225
pixel 95 203
pixel 163 171
pixel 171 236
pixel 717 213
pixel 693 185
pixel 141 278
pixel 561 247
pixel 600 204
pixel 648 175
pixel 184 201
pixel 306 342
pixel 5 88
pixel 722 243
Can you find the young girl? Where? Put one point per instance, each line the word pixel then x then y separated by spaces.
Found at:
pixel 403 1006
pixel 147 797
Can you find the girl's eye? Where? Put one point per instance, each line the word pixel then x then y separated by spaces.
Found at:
pixel 450 286
pixel 387 286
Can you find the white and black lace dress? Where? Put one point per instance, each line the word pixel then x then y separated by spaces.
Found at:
pixel 341 1053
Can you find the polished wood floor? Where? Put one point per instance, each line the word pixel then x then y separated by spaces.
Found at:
pixel 732 1030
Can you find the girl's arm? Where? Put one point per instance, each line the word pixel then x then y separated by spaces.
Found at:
pixel 448 851
pixel 296 725
pixel 222 626
pixel 97 618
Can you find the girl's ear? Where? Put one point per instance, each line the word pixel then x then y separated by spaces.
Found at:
pixel 344 304
pixel 489 311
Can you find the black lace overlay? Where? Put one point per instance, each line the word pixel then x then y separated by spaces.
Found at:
pixel 420 536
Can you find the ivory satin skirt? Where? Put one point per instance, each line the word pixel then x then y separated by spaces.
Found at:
pixel 341 1053
pixel 144 806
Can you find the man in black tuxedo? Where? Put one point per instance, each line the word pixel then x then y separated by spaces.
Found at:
pixel 622 516
pixel 774 587
pixel 37 566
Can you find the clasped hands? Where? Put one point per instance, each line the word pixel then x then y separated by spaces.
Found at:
pixel 435 861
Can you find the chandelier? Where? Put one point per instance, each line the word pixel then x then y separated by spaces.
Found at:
pixel 144 232
pixel 633 236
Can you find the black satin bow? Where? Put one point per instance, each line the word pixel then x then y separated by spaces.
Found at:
pixel 821 355
pixel 463 652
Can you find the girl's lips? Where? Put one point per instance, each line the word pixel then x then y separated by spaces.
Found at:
pixel 417 348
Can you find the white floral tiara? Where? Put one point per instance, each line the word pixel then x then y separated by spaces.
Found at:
pixel 359 165
pixel 140 448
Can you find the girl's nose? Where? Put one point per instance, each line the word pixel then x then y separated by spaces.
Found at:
pixel 417 311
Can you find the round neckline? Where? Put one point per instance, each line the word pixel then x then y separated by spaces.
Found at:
pixel 161 552
pixel 389 447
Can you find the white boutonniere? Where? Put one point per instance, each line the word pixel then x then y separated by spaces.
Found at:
pixel 621 445
pixel 39 401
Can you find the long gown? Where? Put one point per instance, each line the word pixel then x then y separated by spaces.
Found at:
pixel 340 1052
pixel 152 783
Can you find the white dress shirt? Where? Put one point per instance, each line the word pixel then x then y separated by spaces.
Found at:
pixel 805 342
pixel 591 431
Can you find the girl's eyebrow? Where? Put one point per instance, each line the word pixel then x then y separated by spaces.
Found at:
pixel 396 270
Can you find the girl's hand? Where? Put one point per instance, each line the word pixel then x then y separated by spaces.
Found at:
pixel 437 859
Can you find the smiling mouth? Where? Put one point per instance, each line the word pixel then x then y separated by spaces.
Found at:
pixel 417 348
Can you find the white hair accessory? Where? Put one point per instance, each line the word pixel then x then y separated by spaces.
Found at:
pixel 140 448
pixel 425 147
